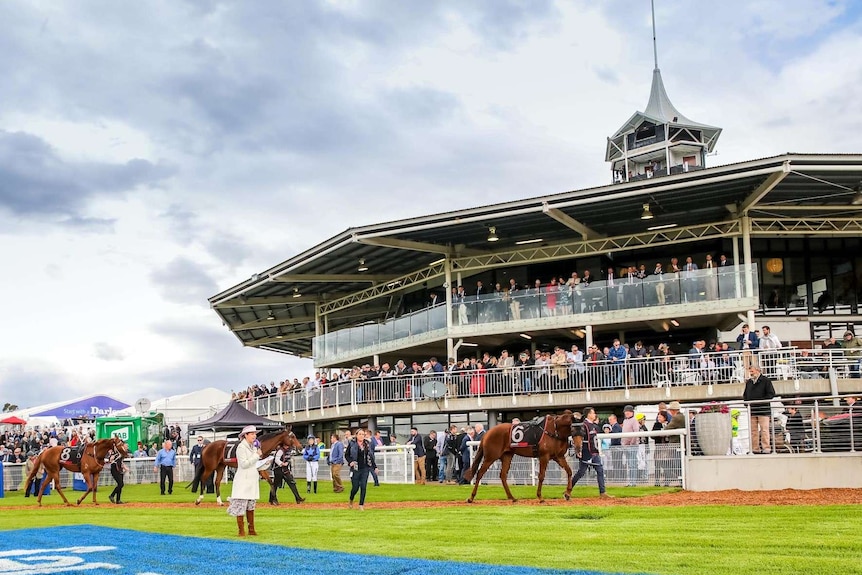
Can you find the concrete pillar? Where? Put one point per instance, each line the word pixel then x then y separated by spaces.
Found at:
pixel 588 336
pixel 745 221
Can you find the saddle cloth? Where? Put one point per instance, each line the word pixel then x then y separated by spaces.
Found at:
pixel 71 456
pixel 527 434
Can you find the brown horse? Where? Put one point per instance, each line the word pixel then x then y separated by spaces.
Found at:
pixel 213 461
pixel 91 464
pixel 499 442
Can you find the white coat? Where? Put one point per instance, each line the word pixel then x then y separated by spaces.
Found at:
pixel 246 484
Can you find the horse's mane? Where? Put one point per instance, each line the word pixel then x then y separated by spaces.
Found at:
pixel 270 434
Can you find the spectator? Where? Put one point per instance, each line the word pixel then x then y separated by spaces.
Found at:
pixel 360 459
pixel 311 455
pixel 166 460
pixel 431 456
pixel 453 454
pixel 795 428
pixel 418 455
pixel 852 346
pixel 465 450
pixel 758 389
pixel 246 485
pixel 336 462
pixel 630 445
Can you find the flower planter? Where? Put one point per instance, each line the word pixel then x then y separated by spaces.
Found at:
pixel 713 432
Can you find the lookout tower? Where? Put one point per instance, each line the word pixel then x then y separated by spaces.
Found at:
pixel 659 141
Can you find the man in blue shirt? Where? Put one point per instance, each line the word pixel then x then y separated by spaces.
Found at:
pixel 166 460
pixel 336 461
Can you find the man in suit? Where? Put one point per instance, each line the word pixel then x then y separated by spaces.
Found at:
pixel 418 455
pixel 689 280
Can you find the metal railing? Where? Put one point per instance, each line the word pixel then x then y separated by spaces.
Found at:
pixel 570 375
pixel 684 287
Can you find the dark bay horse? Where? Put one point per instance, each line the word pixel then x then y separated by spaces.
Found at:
pixel 91 464
pixel 213 461
pixel 499 442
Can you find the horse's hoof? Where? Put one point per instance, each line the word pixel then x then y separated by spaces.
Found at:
pixel 197 502
pixel 567 497
pixel 541 501
pixel 514 501
pixel 469 500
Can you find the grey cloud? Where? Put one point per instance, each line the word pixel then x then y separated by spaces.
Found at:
pixel 184 281
pixel 107 352
pixel 229 249
pixel 92 225
pixel 182 223
pixel 34 180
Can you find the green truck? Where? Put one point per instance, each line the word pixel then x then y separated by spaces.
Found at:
pixel 132 429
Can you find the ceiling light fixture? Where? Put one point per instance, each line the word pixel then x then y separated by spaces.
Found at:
pixel 661 227
pixel 296 292
pixel 279 335
pixel 857 197
pixel 492 234
pixel 362 267
pixel 526 336
pixel 270 316
pixel 523 242
pixel 674 323
pixel 646 215
pixel 465 344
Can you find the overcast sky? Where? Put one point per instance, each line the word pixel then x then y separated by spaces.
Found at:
pixel 155 153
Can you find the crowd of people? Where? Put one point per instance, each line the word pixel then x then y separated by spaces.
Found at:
pixel 616 365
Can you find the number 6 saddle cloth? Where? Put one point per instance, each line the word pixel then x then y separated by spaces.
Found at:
pixel 528 433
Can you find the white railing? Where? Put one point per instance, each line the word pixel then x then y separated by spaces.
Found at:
pixel 663 371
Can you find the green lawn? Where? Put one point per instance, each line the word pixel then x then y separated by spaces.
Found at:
pixel 711 540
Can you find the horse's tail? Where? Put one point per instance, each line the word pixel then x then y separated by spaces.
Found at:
pixel 480 455
pixel 199 471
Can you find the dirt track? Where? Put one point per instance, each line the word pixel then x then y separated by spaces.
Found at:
pixel 681 498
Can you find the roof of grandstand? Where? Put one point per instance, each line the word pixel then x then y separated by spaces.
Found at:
pixel 276 308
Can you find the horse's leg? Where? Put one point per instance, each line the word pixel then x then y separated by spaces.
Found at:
pixel 561 461
pixel 88 479
pixel 219 474
pixel 485 465
pixel 543 467
pixel 202 484
pixel 505 463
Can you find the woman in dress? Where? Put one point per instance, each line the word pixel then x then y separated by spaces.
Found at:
pixel 246 485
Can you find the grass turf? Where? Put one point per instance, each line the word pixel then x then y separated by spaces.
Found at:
pixel 711 539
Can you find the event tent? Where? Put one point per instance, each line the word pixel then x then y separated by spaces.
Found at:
pixel 89 407
pixel 187 407
pixel 232 418
pixel 12 421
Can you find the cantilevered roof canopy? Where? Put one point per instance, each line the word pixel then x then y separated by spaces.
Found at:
pixel 277 309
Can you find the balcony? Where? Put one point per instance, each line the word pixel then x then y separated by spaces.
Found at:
pixel 574 381
pixel 654 299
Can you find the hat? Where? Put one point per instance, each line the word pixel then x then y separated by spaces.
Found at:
pixel 607 426
pixel 674 405
pixel 247 429
pixel 848 332
pixel 641 416
pixel 309 437
pixel 629 408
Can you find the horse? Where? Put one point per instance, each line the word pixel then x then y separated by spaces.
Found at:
pixel 91 464
pixel 500 442
pixel 213 461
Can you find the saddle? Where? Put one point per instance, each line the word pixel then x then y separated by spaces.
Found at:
pixel 528 434
pixel 230 452
pixel 71 456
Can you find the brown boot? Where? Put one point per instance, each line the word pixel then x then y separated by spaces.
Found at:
pixel 240 523
pixel 250 516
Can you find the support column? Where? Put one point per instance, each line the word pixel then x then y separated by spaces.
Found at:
pixel 745 222
pixel 588 336
pixel 450 345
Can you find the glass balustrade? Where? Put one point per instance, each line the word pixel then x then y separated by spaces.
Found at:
pixel 683 288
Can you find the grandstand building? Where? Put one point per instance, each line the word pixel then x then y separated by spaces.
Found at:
pixel 770 241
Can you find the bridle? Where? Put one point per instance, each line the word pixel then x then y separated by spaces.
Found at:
pixel 554 435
